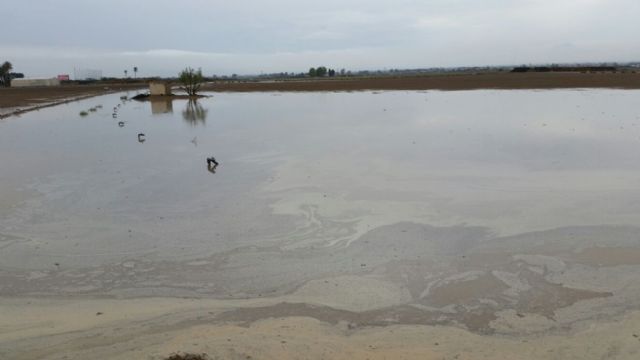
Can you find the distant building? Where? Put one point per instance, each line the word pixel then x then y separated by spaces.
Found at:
pixel 63 77
pixel 161 88
pixel 34 82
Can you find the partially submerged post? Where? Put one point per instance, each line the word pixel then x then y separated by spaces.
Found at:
pixel 159 88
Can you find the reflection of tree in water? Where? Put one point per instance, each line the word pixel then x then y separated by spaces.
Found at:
pixel 194 113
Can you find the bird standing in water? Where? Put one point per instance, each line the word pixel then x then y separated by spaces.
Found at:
pixel 212 164
pixel 212 160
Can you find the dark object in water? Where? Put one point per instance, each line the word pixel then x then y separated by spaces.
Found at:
pixel 212 164
pixel 121 123
pixel 212 160
pixel 187 356
pixel 140 97
pixel 141 138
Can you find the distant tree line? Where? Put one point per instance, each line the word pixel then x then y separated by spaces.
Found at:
pixel 561 68
pixel 322 71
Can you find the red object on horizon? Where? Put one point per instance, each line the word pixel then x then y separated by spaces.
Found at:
pixel 63 77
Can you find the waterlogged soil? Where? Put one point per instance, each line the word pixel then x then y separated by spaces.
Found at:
pixel 16 101
pixel 362 225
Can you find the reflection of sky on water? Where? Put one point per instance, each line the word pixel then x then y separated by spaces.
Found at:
pixel 510 160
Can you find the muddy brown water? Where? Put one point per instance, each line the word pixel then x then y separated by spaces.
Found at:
pixel 468 204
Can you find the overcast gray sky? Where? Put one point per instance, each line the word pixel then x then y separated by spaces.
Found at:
pixel 48 37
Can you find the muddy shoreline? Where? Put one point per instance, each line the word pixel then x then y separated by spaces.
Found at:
pixel 16 101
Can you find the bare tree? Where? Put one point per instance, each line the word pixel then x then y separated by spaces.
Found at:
pixel 5 73
pixel 191 80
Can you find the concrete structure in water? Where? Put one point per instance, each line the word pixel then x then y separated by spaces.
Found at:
pixel 161 88
pixel 34 82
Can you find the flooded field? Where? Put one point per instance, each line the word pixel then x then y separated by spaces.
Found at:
pixel 335 225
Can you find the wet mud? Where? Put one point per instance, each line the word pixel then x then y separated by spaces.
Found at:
pixel 454 276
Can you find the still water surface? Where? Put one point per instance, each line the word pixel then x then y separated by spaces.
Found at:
pixel 305 170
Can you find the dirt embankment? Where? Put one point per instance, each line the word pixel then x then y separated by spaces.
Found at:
pixel 19 100
pixel 444 82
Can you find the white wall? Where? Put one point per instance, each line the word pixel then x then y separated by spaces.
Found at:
pixel 34 82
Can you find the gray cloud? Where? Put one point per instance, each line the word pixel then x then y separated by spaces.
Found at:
pixel 160 37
